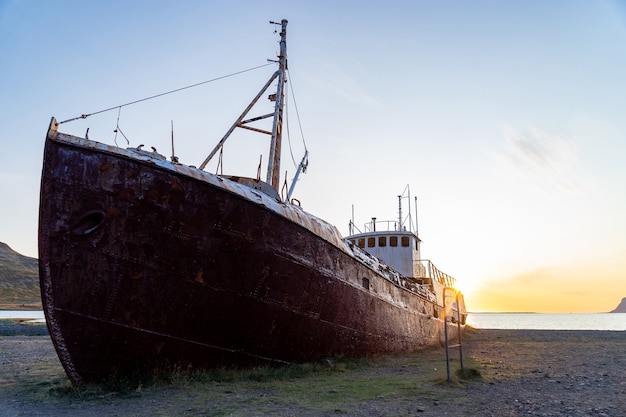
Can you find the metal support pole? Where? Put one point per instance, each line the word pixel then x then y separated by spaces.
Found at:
pixel 445 330
pixel 273 168
pixel 458 326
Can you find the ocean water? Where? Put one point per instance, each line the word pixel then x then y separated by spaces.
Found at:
pixel 548 321
pixel 20 314
pixel 535 321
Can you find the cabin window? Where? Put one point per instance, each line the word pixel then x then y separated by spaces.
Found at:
pixel 371 242
pixel 382 241
pixel 366 283
pixel 393 241
pixel 405 241
pixel 361 243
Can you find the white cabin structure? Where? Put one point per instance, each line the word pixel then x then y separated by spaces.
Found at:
pixel 400 249
pixel 396 244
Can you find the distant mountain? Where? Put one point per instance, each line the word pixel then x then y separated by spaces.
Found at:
pixel 19 279
pixel 621 308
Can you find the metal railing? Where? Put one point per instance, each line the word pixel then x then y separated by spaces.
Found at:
pixel 375 226
pixel 426 269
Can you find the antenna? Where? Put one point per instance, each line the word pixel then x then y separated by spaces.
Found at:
pixel 408 197
pixel 416 234
pixel 174 157
pixel 399 213
pixel 405 194
pixel 351 225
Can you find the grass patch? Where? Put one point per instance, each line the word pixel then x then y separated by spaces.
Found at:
pixel 332 386
pixel 468 374
pixel 228 381
pixel 268 373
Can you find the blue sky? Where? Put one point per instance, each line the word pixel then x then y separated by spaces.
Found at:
pixel 506 119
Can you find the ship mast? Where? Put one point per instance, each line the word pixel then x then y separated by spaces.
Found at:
pixel 273 167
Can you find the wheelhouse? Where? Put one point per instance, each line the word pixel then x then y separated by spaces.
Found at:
pixel 396 248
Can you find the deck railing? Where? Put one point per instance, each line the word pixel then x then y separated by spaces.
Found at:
pixel 376 226
pixel 424 268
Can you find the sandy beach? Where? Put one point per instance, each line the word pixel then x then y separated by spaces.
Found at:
pixel 522 372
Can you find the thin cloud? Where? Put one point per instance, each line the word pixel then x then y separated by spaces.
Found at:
pixel 540 275
pixel 547 158
pixel 349 88
pixel 344 82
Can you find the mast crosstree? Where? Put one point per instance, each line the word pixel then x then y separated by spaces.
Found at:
pixel 273 167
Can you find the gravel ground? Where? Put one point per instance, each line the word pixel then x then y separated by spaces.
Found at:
pixel 550 373
pixel 523 372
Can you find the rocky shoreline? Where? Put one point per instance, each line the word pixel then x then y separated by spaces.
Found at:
pixel 522 372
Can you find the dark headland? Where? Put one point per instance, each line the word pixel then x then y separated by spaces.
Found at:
pixel 19 280
pixel 621 308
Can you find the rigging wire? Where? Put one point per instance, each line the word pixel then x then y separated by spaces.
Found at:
pixel 295 105
pixel 118 129
pixel 295 164
pixel 84 116
pixel 299 123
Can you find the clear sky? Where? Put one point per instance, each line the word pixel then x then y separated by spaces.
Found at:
pixel 505 118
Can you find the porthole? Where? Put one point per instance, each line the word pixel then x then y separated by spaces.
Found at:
pixel 88 223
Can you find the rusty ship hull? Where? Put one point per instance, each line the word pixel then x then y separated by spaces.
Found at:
pixel 147 265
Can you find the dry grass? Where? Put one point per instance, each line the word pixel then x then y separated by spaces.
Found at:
pixel 334 386
pixel 506 373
